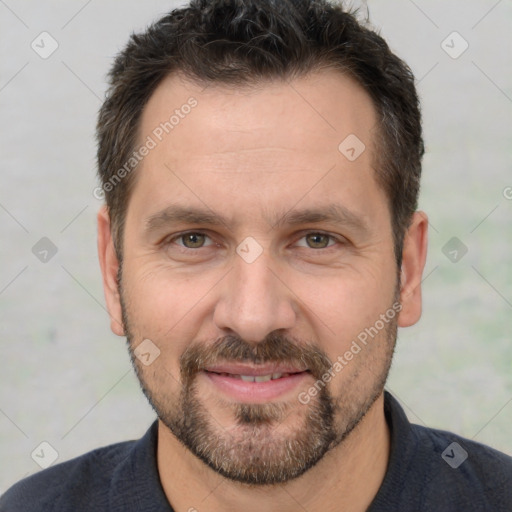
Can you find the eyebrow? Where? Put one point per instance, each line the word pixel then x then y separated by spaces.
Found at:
pixel 332 213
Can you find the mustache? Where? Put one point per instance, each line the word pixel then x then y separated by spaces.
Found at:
pixel 275 348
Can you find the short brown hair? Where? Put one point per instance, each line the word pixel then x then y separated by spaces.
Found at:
pixel 247 41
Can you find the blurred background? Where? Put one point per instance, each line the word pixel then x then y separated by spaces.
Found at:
pixel 66 380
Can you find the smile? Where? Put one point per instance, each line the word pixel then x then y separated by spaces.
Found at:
pixel 255 378
pixel 255 384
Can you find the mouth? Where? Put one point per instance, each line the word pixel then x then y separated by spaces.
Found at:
pixel 255 384
pixel 256 378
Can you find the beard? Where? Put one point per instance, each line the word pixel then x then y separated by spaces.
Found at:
pixel 260 447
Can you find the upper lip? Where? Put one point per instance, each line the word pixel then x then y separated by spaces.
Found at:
pixel 252 370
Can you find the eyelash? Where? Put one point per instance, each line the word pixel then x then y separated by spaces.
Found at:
pixel 179 236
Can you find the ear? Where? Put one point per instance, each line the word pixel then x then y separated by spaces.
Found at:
pixel 414 255
pixel 109 268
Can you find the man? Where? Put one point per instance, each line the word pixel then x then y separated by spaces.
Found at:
pixel 259 246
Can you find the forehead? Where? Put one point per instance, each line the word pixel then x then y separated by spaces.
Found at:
pixel 322 107
pixel 288 141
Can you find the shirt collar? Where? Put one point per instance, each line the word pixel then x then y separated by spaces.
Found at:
pixel 404 445
pixel 136 483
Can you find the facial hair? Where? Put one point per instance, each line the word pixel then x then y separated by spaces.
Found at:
pixel 256 451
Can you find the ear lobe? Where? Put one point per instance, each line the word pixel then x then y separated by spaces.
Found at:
pixel 414 255
pixel 109 269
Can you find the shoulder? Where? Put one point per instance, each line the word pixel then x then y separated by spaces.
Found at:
pixel 85 477
pixel 432 469
pixel 464 470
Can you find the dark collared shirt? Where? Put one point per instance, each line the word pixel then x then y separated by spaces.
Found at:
pixel 429 470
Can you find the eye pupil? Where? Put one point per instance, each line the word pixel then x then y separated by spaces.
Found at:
pixel 193 240
pixel 318 240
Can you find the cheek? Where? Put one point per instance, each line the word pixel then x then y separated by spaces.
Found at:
pixel 163 306
pixel 344 303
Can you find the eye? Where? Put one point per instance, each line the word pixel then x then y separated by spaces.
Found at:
pixel 192 240
pixel 317 241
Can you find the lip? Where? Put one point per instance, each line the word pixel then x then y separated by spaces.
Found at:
pixel 254 371
pixel 256 392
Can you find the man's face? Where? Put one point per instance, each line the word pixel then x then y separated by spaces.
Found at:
pixel 253 246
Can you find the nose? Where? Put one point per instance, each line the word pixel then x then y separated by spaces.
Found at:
pixel 254 301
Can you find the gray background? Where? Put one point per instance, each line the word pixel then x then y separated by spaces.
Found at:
pixel 66 380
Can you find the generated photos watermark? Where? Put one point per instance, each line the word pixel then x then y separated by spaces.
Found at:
pixel 356 347
pixel 151 142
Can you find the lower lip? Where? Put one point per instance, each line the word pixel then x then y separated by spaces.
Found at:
pixel 256 392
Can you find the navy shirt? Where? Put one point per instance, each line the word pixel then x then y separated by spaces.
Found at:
pixel 429 470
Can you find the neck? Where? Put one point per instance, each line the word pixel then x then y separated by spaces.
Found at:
pixel 347 478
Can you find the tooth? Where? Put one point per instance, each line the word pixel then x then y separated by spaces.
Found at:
pixel 262 378
pixel 247 378
pixel 277 375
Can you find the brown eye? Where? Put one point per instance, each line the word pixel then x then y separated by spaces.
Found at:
pixel 317 240
pixel 193 240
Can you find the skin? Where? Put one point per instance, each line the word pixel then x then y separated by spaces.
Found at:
pixel 252 155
